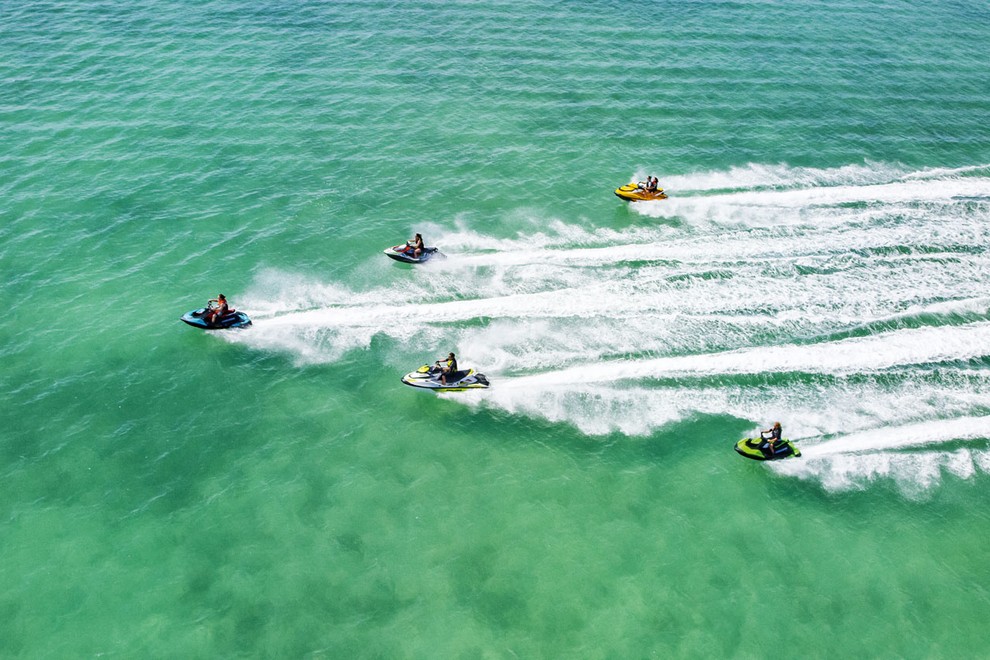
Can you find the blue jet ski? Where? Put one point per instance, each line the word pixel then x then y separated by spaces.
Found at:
pixel 232 319
pixel 759 449
pixel 404 254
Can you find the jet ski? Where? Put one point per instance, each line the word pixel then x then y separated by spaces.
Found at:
pixel 232 319
pixel 398 252
pixel 633 192
pixel 759 449
pixel 427 377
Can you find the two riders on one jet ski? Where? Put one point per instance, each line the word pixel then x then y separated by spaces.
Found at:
pixel 414 247
pixel 651 185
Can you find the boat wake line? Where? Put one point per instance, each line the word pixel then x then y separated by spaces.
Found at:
pixel 861 354
pixel 843 302
pixel 915 457
pixel 921 434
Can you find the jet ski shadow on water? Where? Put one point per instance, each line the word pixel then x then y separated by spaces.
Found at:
pixel 759 449
pixel 232 319
pixel 405 255
pixel 427 377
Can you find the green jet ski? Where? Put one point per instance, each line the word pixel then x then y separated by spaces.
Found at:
pixel 759 449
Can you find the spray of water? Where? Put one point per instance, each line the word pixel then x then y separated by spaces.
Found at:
pixel 931 432
pixel 850 302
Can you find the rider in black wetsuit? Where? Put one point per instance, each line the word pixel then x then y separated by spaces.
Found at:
pixel 772 435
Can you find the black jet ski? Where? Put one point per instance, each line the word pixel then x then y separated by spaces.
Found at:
pixel 428 378
pixel 232 319
pixel 398 252
pixel 759 449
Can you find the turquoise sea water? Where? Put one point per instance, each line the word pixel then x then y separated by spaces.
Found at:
pixel 822 260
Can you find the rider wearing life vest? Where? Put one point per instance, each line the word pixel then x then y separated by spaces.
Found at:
pixel 214 314
pixel 448 368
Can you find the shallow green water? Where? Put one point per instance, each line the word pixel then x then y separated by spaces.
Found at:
pixel 822 261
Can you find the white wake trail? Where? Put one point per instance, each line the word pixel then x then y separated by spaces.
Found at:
pixel 922 434
pixel 909 455
pixel 856 355
pixel 809 410
pixel 635 327
pixel 762 207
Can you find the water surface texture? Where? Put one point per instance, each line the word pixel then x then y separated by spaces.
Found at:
pixel 822 261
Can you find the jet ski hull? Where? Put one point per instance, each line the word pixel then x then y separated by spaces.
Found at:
pixel 758 449
pixel 428 378
pixel 233 320
pixel 633 193
pixel 399 255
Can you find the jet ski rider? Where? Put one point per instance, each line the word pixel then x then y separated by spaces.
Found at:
pixel 772 435
pixel 447 369
pixel 213 314
pixel 650 185
pixel 414 247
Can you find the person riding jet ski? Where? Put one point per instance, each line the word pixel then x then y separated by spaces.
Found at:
pixel 642 191
pixel 216 308
pixel 413 252
pixel 772 435
pixel 444 376
pixel 770 446
pixel 414 247
pixel 216 314
pixel 447 367
pixel 651 185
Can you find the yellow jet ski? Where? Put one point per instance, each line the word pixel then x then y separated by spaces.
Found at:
pixel 635 192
